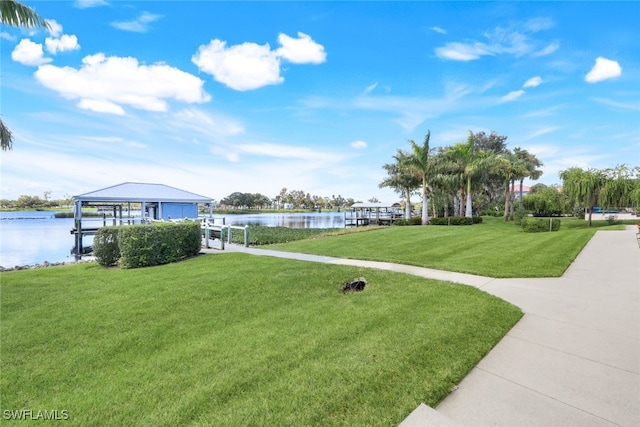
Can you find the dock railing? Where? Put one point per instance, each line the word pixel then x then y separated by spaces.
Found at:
pixel 222 232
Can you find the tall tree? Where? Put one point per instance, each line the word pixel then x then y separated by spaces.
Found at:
pixel 620 188
pixel 420 160
pixel 531 163
pixel 583 186
pixel 15 14
pixel 491 179
pixel 472 163
pixel 401 178
pixel 509 167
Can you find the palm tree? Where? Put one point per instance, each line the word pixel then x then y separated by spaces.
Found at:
pixel 15 14
pixel 5 136
pixel 472 163
pixel 583 186
pixel 401 178
pixel 449 179
pixel 420 161
pixel 531 163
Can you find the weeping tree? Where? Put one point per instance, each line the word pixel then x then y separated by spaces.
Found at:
pixel 15 14
pixel 621 188
pixel 607 188
pixel 583 186
pixel 401 178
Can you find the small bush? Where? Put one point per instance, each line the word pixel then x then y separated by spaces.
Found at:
pixel 105 246
pixel 416 220
pixel 520 215
pixel 454 220
pixel 159 243
pixel 132 246
pixel 537 225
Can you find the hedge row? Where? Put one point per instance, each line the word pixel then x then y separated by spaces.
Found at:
pixel 416 220
pixel 537 225
pixel 132 246
pixel 456 220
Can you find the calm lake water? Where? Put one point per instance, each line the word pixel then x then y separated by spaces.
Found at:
pixel 28 238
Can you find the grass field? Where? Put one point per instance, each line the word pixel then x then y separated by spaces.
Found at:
pixel 231 340
pixel 492 249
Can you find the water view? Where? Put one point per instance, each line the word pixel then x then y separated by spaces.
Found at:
pixel 28 238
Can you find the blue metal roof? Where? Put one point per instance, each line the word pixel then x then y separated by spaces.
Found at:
pixel 139 192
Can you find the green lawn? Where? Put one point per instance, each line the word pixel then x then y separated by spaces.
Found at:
pixel 231 339
pixel 492 249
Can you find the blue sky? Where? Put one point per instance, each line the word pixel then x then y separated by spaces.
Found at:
pixel 217 97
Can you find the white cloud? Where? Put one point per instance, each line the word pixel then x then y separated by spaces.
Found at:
pixel 139 25
pixel 62 44
pixel 533 82
pixel 535 25
pixel 370 88
pixel 512 96
pixel 543 131
pixel 29 53
pixel 462 52
pixel 85 4
pixel 514 40
pixel 55 29
pixel 249 66
pixel 547 50
pixel 206 124
pixel 302 50
pixel 104 84
pixel 358 145
pixel 603 69
pixel 285 152
pixel 7 36
pixel 241 67
pixel 630 106
pixel 101 106
pixel 439 30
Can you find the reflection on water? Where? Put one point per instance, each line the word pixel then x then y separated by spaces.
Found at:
pixel 292 220
pixel 28 238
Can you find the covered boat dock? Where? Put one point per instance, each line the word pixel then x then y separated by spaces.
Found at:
pixel 153 202
pixel 363 214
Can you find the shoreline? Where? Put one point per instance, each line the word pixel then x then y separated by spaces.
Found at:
pixel 45 264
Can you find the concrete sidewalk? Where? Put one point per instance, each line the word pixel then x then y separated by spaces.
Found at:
pixel 572 360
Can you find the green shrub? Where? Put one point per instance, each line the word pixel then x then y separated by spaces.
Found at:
pixel 132 246
pixel 159 243
pixel 537 225
pixel 416 220
pixel 520 215
pixel 454 220
pixel 105 246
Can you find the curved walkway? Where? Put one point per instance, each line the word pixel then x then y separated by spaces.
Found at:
pixel 572 360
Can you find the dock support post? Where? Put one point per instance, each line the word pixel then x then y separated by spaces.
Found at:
pixel 79 248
